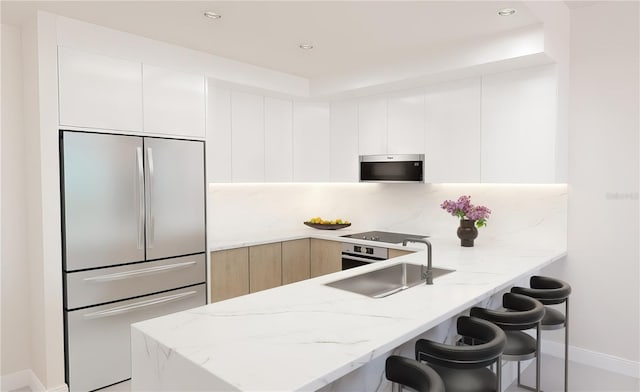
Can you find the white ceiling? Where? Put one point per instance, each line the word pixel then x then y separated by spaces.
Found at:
pixel 347 36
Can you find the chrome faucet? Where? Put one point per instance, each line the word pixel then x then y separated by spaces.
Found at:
pixel 428 274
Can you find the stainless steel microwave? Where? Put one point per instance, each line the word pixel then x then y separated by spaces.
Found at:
pixel 392 168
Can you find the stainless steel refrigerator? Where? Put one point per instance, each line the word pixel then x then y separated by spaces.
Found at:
pixel 133 235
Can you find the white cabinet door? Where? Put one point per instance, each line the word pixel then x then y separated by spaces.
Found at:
pixel 278 139
pixel 247 137
pixel 311 144
pixel 218 134
pixel 405 129
pixel 98 91
pixel 174 102
pixel 519 126
pixel 372 126
pixel 344 142
pixel 453 132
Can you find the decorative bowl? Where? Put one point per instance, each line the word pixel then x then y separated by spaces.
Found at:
pixel 327 226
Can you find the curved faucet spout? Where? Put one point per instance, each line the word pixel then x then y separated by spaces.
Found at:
pixel 428 274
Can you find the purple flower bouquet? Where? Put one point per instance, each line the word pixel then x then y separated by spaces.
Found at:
pixel 463 209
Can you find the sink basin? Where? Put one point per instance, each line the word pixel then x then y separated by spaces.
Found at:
pixel 386 281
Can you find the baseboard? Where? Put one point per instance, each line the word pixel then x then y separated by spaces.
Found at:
pixel 26 378
pixel 34 383
pixel 592 358
pixel 59 388
pixel 17 380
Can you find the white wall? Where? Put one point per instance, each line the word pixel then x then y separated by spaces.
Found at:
pixel 15 269
pixel 525 216
pixel 43 199
pixel 603 262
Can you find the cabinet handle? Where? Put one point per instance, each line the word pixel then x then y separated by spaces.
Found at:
pixel 140 197
pixel 140 272
pixel 151 217
pixel 138 305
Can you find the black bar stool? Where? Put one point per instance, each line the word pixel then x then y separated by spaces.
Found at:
pixel 464 368
pixel 413 374
pixel 552 291
pixel 520 313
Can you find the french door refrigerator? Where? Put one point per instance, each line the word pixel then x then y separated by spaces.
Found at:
pixel 133 236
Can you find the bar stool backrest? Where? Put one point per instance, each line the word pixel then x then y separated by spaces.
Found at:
pixel 549 291
pixel 491 344
pixel 520 313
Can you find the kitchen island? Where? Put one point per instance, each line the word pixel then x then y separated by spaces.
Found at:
pixel 307 336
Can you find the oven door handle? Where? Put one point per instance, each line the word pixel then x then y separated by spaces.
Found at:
pixel 348 256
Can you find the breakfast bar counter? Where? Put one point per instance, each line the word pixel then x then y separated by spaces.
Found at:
pixel 308 336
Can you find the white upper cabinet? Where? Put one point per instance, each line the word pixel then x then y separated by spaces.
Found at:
pixel 247 137
pixel 453 132
pixel 174 102
pixel 405 127
pixel 107 93
pixel 519 126
pixel 278 139
pixel 311 142
pixel 344 142
pixel 218 134
pixel 98 91
pixel 372 126
pixel 495 128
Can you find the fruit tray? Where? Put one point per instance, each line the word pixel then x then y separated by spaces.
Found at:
pixel 327 226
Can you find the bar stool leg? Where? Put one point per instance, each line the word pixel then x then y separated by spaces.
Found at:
pixel 499 374
pixel 566 345
pixel 519 383
pixel 538 357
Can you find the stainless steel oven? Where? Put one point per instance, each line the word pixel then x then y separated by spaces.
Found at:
pixel 355 255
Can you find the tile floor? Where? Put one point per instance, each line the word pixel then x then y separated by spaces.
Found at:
pixel 582 378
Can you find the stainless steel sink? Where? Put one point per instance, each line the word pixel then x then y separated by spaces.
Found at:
pixel 386 281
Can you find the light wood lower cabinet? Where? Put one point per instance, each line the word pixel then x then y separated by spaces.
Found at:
pixel 295 261
pixel 398 252
pixel 240 271
pixel 326 257
pixel 265 266
pixel 229 273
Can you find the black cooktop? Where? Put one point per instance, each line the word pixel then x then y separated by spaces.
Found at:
pixel 384 236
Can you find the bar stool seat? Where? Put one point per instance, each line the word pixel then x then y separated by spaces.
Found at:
pixel 553 319
pixel 520 346
pixel 470 380
pixel 413 374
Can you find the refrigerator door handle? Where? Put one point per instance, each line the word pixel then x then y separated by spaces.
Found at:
pixel 140 165
pixel 138 305
pixel 150 217
pixel 140 272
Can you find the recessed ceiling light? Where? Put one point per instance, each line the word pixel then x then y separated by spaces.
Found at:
pixel 212 15
pixel 506 11
pixel 306 46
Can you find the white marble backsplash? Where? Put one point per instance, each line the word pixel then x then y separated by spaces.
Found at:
pixel 521 214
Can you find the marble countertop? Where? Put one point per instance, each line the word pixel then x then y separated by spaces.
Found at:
pixel 304 232
pixel 305 335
